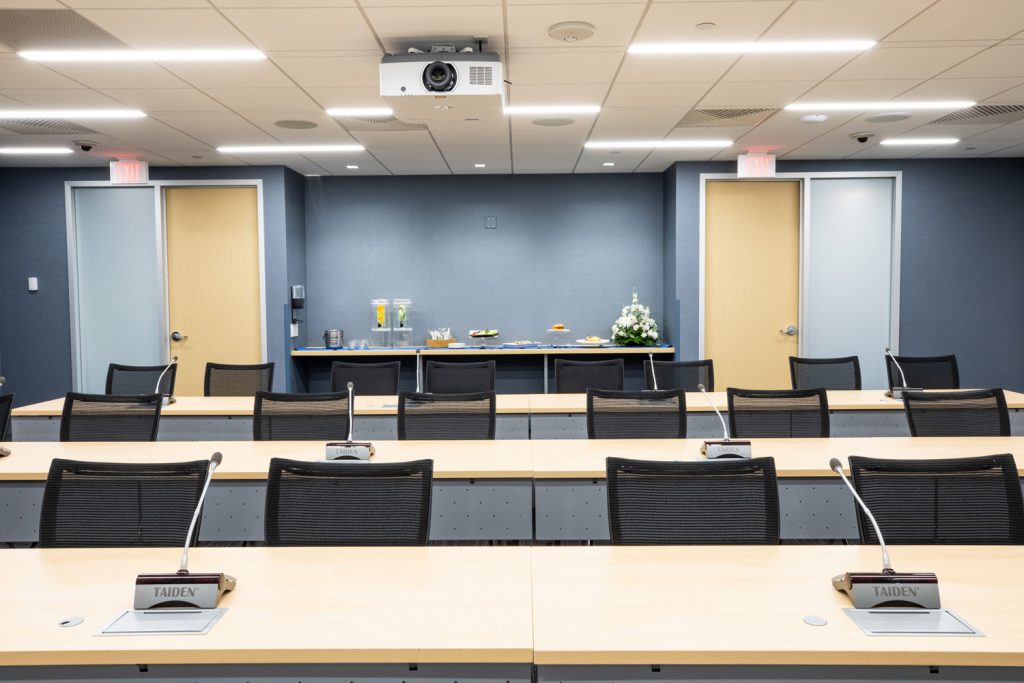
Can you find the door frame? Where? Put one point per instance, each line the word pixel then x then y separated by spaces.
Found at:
pixel 805 238
pixel 158 187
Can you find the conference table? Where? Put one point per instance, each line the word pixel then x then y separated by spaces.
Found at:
pixel 519 416
pixel 511 614
pixel 514 490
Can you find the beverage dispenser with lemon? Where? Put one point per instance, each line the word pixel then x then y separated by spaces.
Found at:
pixel 380 327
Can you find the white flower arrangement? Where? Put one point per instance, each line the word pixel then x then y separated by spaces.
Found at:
pixel 635 327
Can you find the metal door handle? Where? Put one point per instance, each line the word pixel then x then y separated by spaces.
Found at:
pixel 178 336
pixel 789 331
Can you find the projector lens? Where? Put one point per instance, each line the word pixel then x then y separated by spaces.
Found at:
pixel 439 77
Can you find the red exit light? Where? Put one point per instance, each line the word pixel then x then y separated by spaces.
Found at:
pixel 755 166
pixel 129 172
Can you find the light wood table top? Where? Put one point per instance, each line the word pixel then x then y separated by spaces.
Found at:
pixel 585 458
pixel 214 406
pixel 302 605
pixel 500 459
pixel 496 350
pixel 745 605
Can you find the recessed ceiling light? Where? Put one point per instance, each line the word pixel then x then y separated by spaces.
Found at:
pixel 360 111
pixel 288 149
pixel 142 55
pixel 312 175
pixel 553 109
pixel 78 114
pixel 608 163
pixel 867 106
pixel 656 144
pixel 920 141
pixel 352 167
pixel 814 118
pixel 35 150
pixel 479 165
pixel 764 46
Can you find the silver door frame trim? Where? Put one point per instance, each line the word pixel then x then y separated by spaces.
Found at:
pixel 805 222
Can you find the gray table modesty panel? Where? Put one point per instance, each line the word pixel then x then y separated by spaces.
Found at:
pixel 655 673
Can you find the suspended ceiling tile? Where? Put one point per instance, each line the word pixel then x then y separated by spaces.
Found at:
pixel 682 96
pixel 965 20
pixel 530 67
pixel 1013 95
pixel 304 28
pixel 413 140
pixel 135 4
pixel 581 93
pixel 282 3
pixel 164 28
pixel 231 75
pixel 674 68
pixel 843 20
pixel 632 124
pixel 31 4
pixel 169 99
pixel 734 94
pixel 427 4
pixel 333 71
pixel 330 98
pixel 122 75
pixel 1004 61
pixel 903 62
pixel 400 27
pixel 63 99
pixel 265 99
pixel 857 91
pixel 327 130
pixel 976 89
pixel 18 73
pixel 216 128
pixel 668 22
pixel 614 24
pixel 786 67
pixel 1015 151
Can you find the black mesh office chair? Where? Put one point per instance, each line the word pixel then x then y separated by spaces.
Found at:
pixel 825 373
pixel 723 502
pixel 636 414
pixel 368 379
pixel 458 378
pixel 300 417
pixel 100 504
pixel 576 376
pixel 99 417
pixel 958 501
pixel 224 379
pixel 924 372
pixel 685 375
pixel 957 413
pixel 6 402
pixel 755 413
pixel 446 416
pixel 337 503
pixel 140 379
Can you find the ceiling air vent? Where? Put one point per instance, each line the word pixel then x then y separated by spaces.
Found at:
pixel 374 123
pixel 481 75
pixel 724 118
pixel 45 127
pixel 984 113
pixel 35 29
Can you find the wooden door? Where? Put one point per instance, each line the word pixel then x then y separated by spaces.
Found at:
pixel 213 279
pixel 751 281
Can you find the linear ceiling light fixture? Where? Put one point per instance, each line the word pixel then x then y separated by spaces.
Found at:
pixel 927 142
pixel 35 150
pixel 288 149
pixel 762 46
pixel 72 114
pixel 657 144
pixel 552 109
pixel 870 106
pixel 244 55
pixel 360 111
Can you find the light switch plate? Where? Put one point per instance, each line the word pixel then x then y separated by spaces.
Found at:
pixel 295 330
pixel 33 284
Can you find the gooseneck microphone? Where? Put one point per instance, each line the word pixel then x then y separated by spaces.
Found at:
pixel 726 447
pixel 167 398
pixel 868 590
pixel 3 380
pixel 184 589
pixel 654 375
pixel 897 392
pixel 349 449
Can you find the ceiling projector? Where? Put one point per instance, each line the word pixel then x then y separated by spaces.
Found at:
pixel 437 86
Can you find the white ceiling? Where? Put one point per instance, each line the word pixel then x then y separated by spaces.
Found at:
pixel 325 53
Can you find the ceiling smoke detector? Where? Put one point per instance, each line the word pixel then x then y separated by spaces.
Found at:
pixel 571 31
pixel 888 117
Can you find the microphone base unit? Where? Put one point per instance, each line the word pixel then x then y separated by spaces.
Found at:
pixel 897 392
pixel 201 591
pixel 350 450
pixel 726 448
pixel 168 400
pixel 870 590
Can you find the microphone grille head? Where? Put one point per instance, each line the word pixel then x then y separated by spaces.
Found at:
pixel 351 386
pixel 3 380
pixel 217 458
pixel 700 387
pixel 834 464
pixel 887 350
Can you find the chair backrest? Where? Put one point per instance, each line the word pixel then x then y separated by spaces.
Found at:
pixel 458 378
pixel 825 373
pixel 959 501
pixel 368 379
pixel 446 416
pixel 6 401
pixel 636 414
pixel 721 502
pixel 339 503
pixel 102 417
pixel 140 379
pixel 755 413
pixel 224 379
pixel 576 376
pixel 924 372
pixel 957 413
pixel 685 374
pixel 101 504
pixel 300 417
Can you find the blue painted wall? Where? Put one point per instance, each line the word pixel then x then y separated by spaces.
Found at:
pixel 961 282
pixel 567 249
